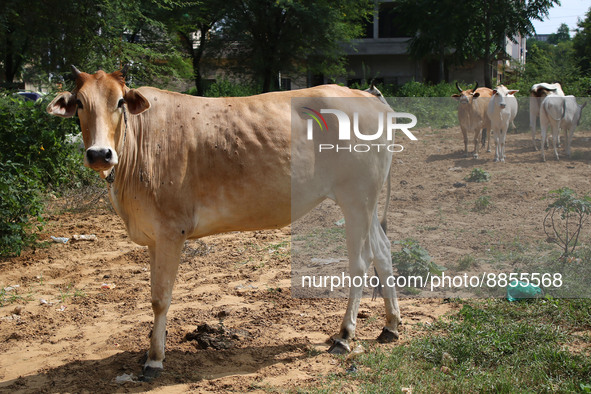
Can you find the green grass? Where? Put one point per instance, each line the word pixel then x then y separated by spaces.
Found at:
pixel 488 346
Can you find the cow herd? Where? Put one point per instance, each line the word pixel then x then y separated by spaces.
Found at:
pixel 493 110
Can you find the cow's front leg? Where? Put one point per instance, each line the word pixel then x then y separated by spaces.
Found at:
pixel 164 262
pixel 476 144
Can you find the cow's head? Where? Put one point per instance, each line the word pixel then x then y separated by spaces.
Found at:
pixel 466 96
pixel 99 99
pixel 500 93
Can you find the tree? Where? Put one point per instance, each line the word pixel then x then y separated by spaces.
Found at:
pixel 436 33
pixel 582 43
pixel 273 36
pixel 473 30
pixel 43 37
pixel 193 23
pixel 561 35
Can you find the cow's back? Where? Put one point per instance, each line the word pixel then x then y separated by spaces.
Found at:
pixel 224 164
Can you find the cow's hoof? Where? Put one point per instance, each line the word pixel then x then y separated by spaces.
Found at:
pixel 150 373
pixel 339 347
pixel 496 159
pixel 387 336
pixel 475 155
pixel 488 151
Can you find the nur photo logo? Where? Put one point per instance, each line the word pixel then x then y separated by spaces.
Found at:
pixel 347 129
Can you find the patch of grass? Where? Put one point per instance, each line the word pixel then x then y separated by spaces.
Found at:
pixel 280 249
pixel 70 292
pixel 466 262
pixel 12 296
pixel 329 240
pixel 488 346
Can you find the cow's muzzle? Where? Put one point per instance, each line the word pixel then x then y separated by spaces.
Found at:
pixel 101 158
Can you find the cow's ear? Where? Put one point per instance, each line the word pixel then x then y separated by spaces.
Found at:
pixel 494 92
pixel 136 102
pixel 476 95
pixel 63 105
pixel 512 91
pixel 456 96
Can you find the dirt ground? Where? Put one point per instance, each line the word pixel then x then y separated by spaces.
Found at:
pixel 95 318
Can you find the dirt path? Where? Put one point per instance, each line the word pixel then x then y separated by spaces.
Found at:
pixel 85 334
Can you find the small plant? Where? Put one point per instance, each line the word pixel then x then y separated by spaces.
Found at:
pixel 477 175
pixel 414 260
pixel 565 217
pixel 482 204
pixel 466 262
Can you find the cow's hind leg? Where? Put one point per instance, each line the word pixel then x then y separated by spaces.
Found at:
pixel 382 259
pixel 359 252
pixel 164 262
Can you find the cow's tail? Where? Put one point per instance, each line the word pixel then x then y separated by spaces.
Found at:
pixel 384 221
pixel 377 291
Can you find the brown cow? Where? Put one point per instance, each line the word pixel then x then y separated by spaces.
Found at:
pixel 472 115
pixel 186 167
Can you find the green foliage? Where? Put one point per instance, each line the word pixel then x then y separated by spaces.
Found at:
pixel 477 175
pixel 20 206
pixel 34 157
pixel 582 44
pixel 565 217
pixel 287 36
pixel 441 31
pixel 33 138
pixel 414 260
pixel 225 88
pixel 418 89
pixel 482 204
pixel 561 35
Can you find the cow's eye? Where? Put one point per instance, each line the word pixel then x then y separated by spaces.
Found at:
pixel 79 104
pixel 120 103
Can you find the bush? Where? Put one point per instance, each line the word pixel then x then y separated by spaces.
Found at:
pixel 36 139
pixel 477 175
pixel 419 89
pixel 565 217
pixel 35 156
pixel 225 88
pixel 20 206
pixel 414 260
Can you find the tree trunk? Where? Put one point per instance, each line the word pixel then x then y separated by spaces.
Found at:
pixel 9 69
pixel 441 66
pixel 267 80
pixel 487 44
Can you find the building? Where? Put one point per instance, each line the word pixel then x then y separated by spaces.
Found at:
pixel 382 55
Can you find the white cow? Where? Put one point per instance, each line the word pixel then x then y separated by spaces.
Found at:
pixel 502 109
pixel 560 112
pixel 537 94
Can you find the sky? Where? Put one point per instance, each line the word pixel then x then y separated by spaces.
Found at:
pixel 567 13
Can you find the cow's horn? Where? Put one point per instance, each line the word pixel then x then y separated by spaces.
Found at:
pixel 475 87
pixel 459 88
pixel 75 71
